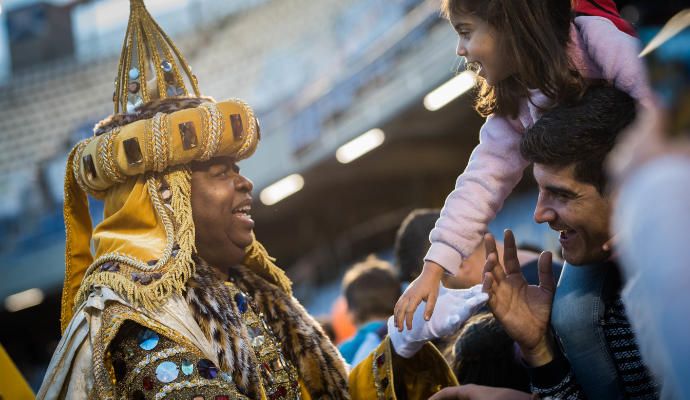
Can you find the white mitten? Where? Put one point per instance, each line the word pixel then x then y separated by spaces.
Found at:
pixel 453 308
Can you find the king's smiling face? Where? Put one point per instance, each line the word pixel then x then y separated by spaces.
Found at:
pixel 576 210
pixel 221 210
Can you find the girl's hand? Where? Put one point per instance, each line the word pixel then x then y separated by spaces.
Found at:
pixel 471 392
pixel 455 306
pixel 424 288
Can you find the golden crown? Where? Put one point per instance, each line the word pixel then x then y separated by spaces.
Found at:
pixel 151 67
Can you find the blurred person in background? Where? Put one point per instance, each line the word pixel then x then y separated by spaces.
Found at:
pixel 650 174
pixel 412 242
pixel 371 290
pixel 343 326
pixel 327 326
pixel 484 354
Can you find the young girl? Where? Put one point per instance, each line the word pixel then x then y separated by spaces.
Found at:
pixel 529 54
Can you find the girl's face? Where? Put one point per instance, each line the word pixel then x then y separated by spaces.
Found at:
pixel 479 43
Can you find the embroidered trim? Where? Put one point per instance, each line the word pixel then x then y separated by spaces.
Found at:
pixel 212 126
pixel 112 319
pixel 106 157
pixel 167 389
pixel 160 129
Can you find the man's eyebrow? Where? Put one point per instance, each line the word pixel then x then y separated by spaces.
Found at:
pixel 560 191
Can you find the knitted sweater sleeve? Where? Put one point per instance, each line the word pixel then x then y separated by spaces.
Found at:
pixel 494 168
pixel 615 53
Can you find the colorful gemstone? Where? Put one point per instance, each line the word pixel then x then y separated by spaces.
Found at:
pixel 132 106
pixel 241 302
pixel 253 331
pixel 166 194
pixel 145 279
pixel 148 339
pixel 133 151
pixel 279 393
pixel 151 263
pixel 134 73
pixel 172 91
pixel 187 367
pixel 135 277
pixel 89 167
pixel 236 124
pixel 258 341
pixel 133 87
pixel 156 275
pixel 188 133
pixel 221 397
pixel 166 66
pixel 110 266
pixel 167 371
pixel 207 369
pixel 147 383
pixel 225 376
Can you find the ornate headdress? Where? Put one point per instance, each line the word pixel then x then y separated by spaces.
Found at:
pixel 144 245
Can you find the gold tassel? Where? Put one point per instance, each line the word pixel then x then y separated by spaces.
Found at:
pixel 179 268
pixel 258 260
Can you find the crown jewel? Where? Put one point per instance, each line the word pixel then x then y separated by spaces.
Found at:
pixel 151 67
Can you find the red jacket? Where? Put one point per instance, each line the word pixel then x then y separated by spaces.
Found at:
pixel 606 9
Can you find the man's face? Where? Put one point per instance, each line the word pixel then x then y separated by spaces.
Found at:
pixel 221 207
pixel 576 210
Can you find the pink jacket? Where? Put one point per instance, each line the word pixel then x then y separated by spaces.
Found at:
pixel 599 50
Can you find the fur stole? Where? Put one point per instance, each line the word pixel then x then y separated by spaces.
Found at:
pixel 315 358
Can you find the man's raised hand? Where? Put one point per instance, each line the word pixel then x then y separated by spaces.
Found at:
pixel 523 310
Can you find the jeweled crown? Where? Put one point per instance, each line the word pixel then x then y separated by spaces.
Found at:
pixel 151 67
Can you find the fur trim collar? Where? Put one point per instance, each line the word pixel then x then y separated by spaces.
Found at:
pixel 315 358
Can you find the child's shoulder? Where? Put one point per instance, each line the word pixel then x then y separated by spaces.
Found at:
pixel 592 26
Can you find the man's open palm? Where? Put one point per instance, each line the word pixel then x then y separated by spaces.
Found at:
pixel 523 310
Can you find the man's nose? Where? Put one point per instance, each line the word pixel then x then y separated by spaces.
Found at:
pixel 244 184
pixel 543 213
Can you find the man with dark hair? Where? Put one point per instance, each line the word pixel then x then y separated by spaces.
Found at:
pixel 599 358
pixel 412 242
pixel 371 290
